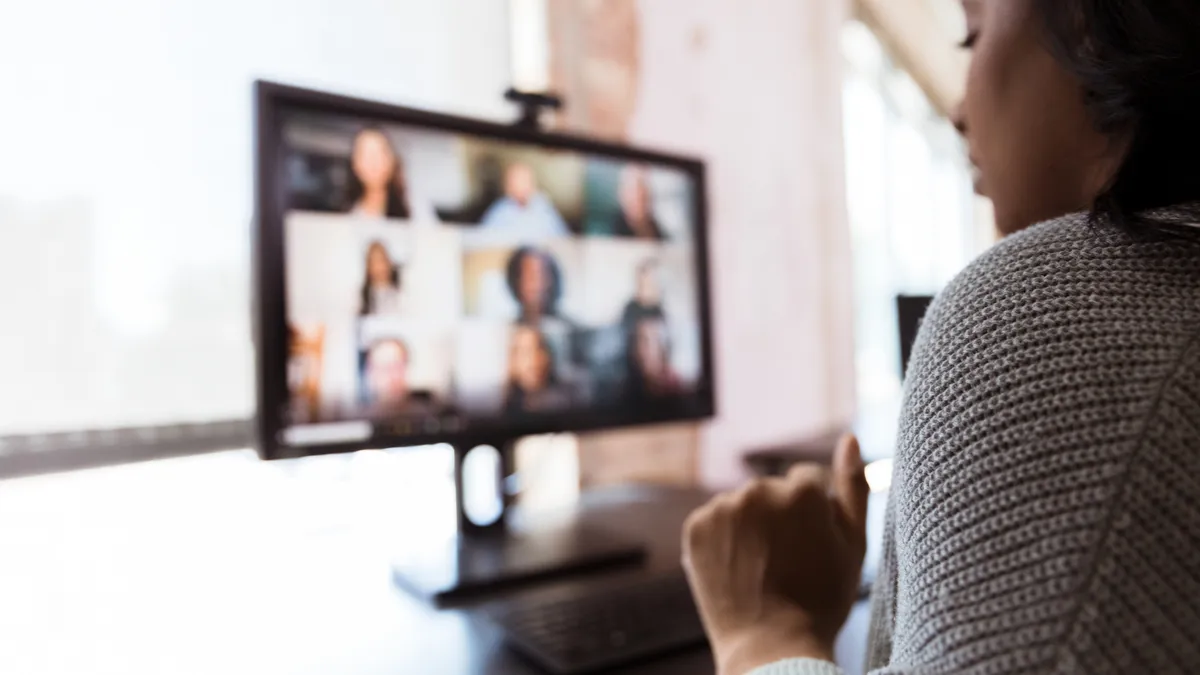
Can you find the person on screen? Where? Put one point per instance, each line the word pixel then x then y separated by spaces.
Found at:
pixel 380 293
pixel 635 218
pixel 386 374
pixel 388 387
pixel 647 300
pixel 306 349
pixel 524 212
pixel 535 280
pixel 533 385
pixel 378 187
pixel 651 375
pixel 389 391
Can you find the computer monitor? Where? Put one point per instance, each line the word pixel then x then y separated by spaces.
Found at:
pixel 423 278
pixel 910 310
pixel 428 278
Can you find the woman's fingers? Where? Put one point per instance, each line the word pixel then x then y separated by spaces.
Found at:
pixel 850 487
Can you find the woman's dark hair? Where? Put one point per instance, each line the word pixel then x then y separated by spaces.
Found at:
pixel 367 299
pixel 397 185
pixel 553 288
pixel 1139 65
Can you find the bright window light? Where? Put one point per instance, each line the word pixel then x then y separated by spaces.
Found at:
pixel 530 48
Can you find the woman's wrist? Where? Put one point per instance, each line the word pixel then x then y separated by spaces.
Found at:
pixel 777 639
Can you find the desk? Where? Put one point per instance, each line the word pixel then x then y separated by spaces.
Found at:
pixel 169 584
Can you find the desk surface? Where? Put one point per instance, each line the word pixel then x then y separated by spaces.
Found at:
pixel 174 593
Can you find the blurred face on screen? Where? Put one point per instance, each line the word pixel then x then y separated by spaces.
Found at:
pixel 634 194
pixel 648 290
pixel 651 348
pixel 533 283
pixel 520 184
pixel 379 265
pixel 373 160
pixel 387 372
pixel 529 362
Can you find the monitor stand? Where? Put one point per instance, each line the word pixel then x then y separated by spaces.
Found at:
pixel 491 556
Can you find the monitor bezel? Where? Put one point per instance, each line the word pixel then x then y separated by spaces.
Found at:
pixel 269 296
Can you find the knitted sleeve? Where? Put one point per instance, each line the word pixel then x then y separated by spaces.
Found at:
pixel 1045 506
pixel 1046 498
pixel 800 667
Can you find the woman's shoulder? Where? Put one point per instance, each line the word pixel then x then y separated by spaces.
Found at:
pixel 1062 288
pixel 1052 392
pixel 1074 243
pixel 1039 251
pixel 1070 263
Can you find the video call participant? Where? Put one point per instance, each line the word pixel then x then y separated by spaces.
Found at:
pixel 535 280
pixel 386 375
pixel 524 212
pixel 306 349
pixel 533 385
pixel 380 292
pixel 651 376
pixel 378 187
pixel 647 300
pixel 636 218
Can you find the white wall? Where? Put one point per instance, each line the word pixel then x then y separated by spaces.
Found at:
pixel 125 181
pixel 755 87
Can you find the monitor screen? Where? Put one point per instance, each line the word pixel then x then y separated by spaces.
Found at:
pixel 910 310
pixel 427 278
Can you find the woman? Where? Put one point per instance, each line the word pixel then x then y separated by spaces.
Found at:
pixel 535 281
pixel 386 374
pixel 635 218
pixel 1045 511
pixel 647 300
pixel 380 292
pixel 533 385
pixel 377 183
pixel 651 379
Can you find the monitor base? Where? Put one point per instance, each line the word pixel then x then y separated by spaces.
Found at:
pixel 477 565
pixel 490 554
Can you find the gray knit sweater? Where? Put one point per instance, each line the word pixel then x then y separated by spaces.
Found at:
pixel 1045 507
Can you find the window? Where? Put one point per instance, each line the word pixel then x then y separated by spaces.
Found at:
pixel 126 189
pixel 913 214
pixel 529 44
